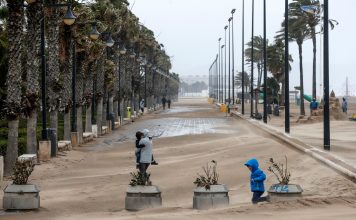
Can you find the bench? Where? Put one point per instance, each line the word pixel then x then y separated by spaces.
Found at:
pixel 87 137
pixel 104 130
pixel 28 157
pixel 64 146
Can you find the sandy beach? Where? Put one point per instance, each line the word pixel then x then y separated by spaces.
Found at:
pixel 90 182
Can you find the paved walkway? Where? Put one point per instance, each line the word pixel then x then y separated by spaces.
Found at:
pixel 90 182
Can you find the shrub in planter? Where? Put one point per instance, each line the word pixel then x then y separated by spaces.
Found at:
pixel 209 193
pixel 20 195
pixel 283 190
pixel 141 194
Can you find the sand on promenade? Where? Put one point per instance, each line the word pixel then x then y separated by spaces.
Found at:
pixel 90 182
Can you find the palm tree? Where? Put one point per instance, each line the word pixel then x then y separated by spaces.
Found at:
pixel 247 80
pixel 311 21
pixel 54 83
pixel 66 75
pixel 275 62
pixel 298 32
pixel 15 27
pixel 33 14
pixel 258 56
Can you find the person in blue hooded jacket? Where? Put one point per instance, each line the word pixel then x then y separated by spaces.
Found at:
pixel 257 179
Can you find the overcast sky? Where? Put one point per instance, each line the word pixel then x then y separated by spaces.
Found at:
pixel 190 29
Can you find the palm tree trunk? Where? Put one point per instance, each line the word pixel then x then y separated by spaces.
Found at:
pixel 116 110
pixel 314 61
pixel 54 120
pixel 67 126
pixel 12 146
pixel 15 33
pixel 80 123
pixel 33 40
pixel 302 109
pixel 31 141
pixel 99 115
pixel 88 125
pixel 54 83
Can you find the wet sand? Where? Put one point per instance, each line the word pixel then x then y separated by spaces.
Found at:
pixel 90 182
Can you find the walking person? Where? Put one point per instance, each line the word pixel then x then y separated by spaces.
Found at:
pixel 344 105
pixel 164 100
pixel 142 105
pixel 257 179
pixel 169 103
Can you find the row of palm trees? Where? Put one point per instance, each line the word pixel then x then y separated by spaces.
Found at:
pixel 304 18
pixel 125 64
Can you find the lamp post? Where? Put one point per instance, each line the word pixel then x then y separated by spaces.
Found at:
pixel 243 59
pixel 224 98
pixel 222 75
pixel 219 71
pixel 326 78
pixel 233 55
pixel 264 64
pixel 229 97
pixel 122 51
pixel 252 48
pixel 286 70
pixel 68 19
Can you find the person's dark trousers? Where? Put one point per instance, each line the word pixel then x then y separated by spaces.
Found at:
pixel 164 106
pixel 143 167
pixel 142 110
pixel 257 197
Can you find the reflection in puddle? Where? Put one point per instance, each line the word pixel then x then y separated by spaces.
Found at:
pixel 172 127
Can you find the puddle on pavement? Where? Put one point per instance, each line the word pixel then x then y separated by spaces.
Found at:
pixel 172 127
pixel 179 109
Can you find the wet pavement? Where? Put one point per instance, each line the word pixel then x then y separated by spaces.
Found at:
pixel 177 121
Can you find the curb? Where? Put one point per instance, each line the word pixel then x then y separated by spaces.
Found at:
pixel 332 161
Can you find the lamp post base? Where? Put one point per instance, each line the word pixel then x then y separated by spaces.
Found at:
pixel 74 137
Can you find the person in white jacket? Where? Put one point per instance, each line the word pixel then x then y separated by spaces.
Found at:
pixel 146 155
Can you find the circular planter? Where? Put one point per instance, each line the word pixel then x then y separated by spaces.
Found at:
pixel 142 197
pixel 216 196
pixel 21 197
pixel 279 192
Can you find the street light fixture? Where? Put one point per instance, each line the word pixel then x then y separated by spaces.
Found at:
pixel 252 56
pixel 94 34
pixel 243 60
pixel 69 17
pixel 224 100
pixel 109 42
pixel 286 70
pixel 229 97
pixel 132 54
pixel 233 55
pixel 264 64
pixel 219 72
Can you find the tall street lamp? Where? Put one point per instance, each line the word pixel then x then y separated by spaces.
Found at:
pixel 233 55
pixel 122 51
pixel 68 19
pixel 326 78
pixel 243 60
pixel 229 97
pixel 219 72
pixel 264 64
pixel 286 70
pixel 222 73
pixel 252 49
pixel 224 98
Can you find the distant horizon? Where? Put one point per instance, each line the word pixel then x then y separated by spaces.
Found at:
pixel 190 34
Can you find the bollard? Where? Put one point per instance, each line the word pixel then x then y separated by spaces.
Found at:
pixel 52 136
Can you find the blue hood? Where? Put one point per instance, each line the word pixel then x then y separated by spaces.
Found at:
pixel 252 163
